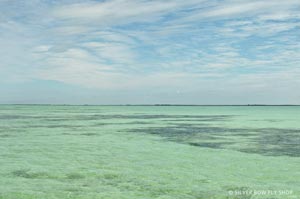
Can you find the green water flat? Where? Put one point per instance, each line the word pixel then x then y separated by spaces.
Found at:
pixel 194 152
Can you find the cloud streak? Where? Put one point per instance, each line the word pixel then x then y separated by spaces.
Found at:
pixel 120 45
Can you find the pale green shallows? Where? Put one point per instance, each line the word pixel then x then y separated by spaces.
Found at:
pixel 118 152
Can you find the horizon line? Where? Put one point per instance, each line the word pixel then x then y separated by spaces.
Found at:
pixel 61 104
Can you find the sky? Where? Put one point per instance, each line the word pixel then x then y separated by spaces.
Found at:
pixel 150 51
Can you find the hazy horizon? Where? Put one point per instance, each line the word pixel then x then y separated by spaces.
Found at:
pixel 70 104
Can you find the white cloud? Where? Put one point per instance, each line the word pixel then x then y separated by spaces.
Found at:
pixel 115 11
pixel 245 8
pixel 139 44
pixel 115 52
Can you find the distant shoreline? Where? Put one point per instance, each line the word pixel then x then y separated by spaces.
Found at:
pixel 149 105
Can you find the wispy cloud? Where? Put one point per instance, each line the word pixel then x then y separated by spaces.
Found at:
pixel 163 45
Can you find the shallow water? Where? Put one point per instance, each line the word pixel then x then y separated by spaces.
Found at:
pixel 149 151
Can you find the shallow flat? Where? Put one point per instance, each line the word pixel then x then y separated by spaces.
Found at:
pixel 149 151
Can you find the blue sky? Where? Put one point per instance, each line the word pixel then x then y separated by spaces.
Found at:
pixel 150 51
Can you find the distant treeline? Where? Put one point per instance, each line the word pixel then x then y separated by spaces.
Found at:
pixel 153 104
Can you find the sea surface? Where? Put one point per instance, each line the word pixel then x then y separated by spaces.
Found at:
pixel 145 152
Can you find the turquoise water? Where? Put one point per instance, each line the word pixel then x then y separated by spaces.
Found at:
pixel 149 152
